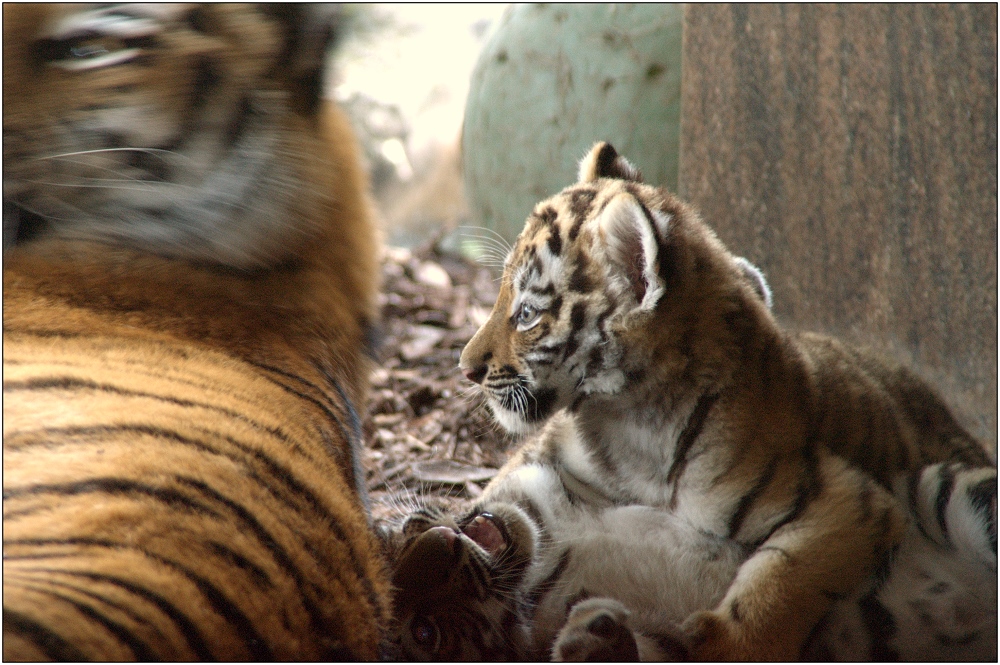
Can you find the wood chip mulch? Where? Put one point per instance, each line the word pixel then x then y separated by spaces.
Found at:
pixel 427 432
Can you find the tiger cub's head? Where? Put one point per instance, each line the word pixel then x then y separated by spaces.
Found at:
pixel 609 279
pixel 456 584
pixel 184 130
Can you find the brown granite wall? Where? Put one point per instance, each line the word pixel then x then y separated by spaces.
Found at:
pixel 851 152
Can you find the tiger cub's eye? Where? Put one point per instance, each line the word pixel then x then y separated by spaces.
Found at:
pixel 424 632
pixel 527 315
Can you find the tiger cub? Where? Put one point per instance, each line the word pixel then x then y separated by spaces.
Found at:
pixel 716 477
pixel 467 588
pixel 189 282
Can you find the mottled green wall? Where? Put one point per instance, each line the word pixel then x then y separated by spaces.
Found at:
pixel 552 80
pixel 851 151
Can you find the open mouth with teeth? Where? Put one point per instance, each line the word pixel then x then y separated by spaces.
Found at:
pixel 437 550
pixel 487 532
pixel 484 530
pixel 20 225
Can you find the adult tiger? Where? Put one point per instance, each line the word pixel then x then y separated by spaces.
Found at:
pixel 725 480
pixel 187 306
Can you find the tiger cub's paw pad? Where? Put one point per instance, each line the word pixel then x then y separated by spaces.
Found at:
pixel 596 630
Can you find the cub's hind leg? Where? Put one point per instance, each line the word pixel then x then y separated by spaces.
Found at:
pixel 828 547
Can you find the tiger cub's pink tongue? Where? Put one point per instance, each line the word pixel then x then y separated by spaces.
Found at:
pixel 484 532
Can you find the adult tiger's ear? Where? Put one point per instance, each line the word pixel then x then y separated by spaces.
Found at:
pixel 603 161
pixel 632 236
pixel 312 30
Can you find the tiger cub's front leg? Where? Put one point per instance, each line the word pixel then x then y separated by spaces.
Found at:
pixel 790 581
pixel 597 630
pixel 604 630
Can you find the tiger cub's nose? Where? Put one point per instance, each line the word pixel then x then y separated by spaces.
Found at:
pixel 475 374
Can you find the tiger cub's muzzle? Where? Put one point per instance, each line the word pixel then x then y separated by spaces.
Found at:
pixel 429 562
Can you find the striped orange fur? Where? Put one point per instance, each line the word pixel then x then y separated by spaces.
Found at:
pixel 185 336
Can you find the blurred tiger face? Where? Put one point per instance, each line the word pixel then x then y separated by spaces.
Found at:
pixel 152 124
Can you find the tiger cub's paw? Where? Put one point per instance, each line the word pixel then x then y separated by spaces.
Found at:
pixel 596 630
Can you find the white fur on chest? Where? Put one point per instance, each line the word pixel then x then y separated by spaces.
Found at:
pixel 643 450
pixel 657 564
pixel 654 560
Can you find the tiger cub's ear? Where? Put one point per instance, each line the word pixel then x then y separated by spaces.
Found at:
pixel 630 234
pixel 603 161
pixel 757 281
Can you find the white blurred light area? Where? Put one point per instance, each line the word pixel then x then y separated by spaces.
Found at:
pixel 421 64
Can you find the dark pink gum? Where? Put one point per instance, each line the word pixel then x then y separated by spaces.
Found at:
pixel 484 532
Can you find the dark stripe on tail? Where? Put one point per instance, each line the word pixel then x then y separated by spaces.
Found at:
pixel 982 497
pixel 913 502
pixel 943 496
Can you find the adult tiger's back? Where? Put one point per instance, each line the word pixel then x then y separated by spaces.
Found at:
pixel 186 312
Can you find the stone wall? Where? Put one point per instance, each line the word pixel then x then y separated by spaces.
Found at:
pixel 851 152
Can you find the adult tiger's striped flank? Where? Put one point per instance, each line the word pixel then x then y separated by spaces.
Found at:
pixel 189 279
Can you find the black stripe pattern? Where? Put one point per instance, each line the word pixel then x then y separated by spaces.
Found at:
pixel 267 556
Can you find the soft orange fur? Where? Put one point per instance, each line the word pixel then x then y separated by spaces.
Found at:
pixel 213 386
